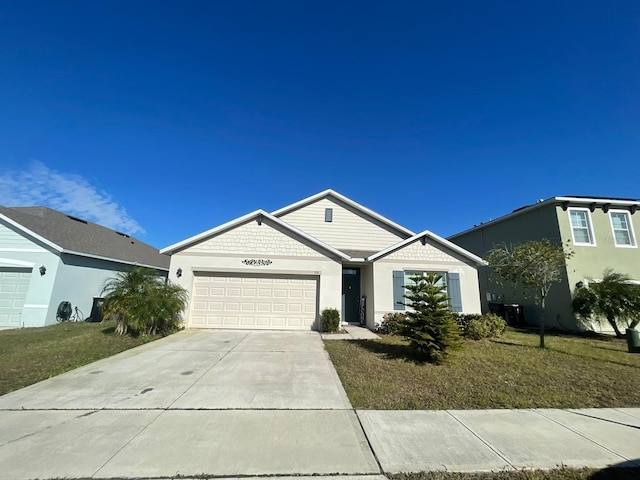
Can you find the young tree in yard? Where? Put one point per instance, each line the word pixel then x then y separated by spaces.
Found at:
pixel 613 298
pixel 142 302
pixel 430 326
pixel 533 266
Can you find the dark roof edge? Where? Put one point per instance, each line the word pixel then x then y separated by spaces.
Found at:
pixel 551 201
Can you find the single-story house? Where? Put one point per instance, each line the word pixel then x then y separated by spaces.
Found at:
pixel 47 257
pixel 280 270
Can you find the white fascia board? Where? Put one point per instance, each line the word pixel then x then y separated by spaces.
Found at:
pixel 30 233
pixel 16 263
pixel 114 260
pixel 438 239
pixel 548 201
pixel 212 231
pixel 611 201
pixel 245 218
pixel 348 201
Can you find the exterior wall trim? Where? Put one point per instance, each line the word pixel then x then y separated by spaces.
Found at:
pixel 348 201
pixel 266 273
pixel 426 233
pixel 245 218
pixel 571 201
pixel 30 233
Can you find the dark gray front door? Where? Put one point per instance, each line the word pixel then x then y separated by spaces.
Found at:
pixel 351 294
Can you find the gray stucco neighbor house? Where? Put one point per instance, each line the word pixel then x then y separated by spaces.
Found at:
pixel 47 257
pixel 600 231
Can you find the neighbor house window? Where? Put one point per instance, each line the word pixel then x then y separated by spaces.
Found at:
pixel 581 226
pixel 623 235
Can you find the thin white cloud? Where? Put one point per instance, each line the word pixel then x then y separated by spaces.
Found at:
pixel 69 193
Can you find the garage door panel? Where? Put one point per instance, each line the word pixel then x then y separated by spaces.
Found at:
pixel 265 293
pixel 263 322
pixel 250 293
pixel 254 301
pixel 294 308
pixel 14 285
pixel 248 307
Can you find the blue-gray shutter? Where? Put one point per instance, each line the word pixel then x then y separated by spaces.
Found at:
pixel 453 289
pixel 398 290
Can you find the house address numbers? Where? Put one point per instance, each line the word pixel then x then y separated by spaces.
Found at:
pixel 256 262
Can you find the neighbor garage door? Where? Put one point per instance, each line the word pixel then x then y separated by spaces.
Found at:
pixel 253 301
pixel 14 284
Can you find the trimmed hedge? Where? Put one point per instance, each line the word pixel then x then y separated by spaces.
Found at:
pixel 392 323
pixel 330 320
pixel 477 327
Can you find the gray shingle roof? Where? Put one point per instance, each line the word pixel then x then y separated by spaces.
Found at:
pixel 73 234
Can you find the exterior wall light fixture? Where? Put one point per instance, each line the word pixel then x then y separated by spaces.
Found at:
pixel 179 272
pixel 42 270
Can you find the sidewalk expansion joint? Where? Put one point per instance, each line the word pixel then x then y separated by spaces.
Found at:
pixel 364 432
pixel 604 447
pixel 126 444
pixel 489 446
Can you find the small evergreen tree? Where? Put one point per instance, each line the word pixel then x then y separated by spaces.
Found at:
pixel 430 325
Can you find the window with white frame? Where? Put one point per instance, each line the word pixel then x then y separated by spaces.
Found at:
pixel 623 235
pixel 449 280
pixel 581 226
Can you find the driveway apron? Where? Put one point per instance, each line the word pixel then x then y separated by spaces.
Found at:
pixel 197 402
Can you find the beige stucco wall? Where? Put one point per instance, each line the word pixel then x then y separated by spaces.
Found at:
pixel 349 229
pixel 288 255
pixel 428 257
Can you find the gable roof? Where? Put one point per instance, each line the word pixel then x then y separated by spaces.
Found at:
pixel 245 218
pixel 566 202
pixel 437 239
pixel 71 235
pixel 332 193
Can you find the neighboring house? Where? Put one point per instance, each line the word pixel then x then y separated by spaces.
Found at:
pixel 47 257
pixel 601 233
pixel 279 270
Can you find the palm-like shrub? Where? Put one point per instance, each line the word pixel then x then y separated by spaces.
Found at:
pixel 142 302
pixel 614 299
pixel 430 325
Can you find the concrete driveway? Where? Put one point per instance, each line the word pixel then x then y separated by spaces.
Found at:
pixel 214 402
pixel 195 370
pixel 232 403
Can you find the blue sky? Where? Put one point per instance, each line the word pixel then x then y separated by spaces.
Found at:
pixel 164 119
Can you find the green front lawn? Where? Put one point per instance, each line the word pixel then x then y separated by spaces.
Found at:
pixel 29 355
pixel 509 372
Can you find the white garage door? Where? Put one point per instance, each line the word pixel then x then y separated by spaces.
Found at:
pixel 253 301
pixel 14 284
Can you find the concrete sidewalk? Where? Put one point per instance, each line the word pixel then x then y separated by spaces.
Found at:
pixel 270 403
pixel 486 440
